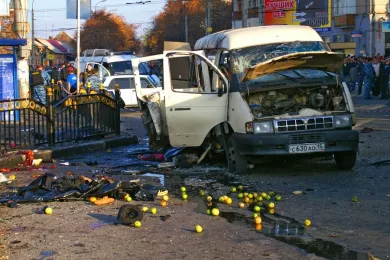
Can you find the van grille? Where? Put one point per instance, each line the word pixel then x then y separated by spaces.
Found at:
pixel 304 124
pixel 306 138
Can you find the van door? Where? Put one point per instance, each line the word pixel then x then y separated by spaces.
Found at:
pixel 193 104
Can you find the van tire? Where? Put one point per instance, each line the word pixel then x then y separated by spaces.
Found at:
pixel 236 163
pixel 345 160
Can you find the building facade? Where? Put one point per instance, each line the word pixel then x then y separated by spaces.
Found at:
pixel 356 27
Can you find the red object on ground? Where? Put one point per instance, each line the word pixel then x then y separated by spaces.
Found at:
pixel 152 157
pixel 5 169
pixel 29 157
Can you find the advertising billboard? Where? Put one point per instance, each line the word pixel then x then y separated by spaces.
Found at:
pixel 314 13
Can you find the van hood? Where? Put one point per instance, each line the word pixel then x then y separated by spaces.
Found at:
pixel 326 61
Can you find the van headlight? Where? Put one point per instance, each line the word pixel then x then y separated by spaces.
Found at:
pixel 259 127
pixel 342 121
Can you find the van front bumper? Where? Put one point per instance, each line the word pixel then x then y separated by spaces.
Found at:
pixel 278 144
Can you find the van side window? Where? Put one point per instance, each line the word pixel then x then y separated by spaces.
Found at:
pixel 190 73
pixel 144 83
pixel 124 83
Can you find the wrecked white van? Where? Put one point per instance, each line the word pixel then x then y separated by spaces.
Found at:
pixel 271 90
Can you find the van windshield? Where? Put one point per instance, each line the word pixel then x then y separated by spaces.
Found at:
pixel 125 68
pixel 246 58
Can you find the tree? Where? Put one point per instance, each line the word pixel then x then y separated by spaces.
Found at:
pixel 106 30
pixel 169 24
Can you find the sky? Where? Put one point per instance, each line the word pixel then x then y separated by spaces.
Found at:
pixel 50 15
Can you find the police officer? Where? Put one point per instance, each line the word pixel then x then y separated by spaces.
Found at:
pixel 360 75
pixel 369 78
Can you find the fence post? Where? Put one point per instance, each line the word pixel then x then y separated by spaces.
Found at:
pixel 54 89
pixel 88 88
pixel 118 110
pixel 101 88
pixel 50 117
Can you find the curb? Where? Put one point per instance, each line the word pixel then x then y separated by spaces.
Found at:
pixel 11 161
pixel 48 155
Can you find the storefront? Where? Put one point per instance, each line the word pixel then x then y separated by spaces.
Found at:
pixel 343 47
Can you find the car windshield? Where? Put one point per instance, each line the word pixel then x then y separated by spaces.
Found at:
pixel 125 68
pixel 246 58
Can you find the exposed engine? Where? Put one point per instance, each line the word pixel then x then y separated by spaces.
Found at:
pixel 292 101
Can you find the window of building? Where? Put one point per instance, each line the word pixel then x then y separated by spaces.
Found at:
pixel 336 38
pixel 347 38
pixel 326 39
pixel 337 7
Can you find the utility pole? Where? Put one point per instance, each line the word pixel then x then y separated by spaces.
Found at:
pixel 185 22
pixel 208 17
pixel 32 35
pixel 78 44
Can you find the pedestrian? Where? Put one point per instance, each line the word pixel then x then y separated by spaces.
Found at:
pixel 71 81
pixel 154 69
pixel 353 73
pixel 369 78
pixel 346 73
pixel 38 79
pixel 90 71
pixel 56 74
pixel 382 80
pixel 387 77
pixel 65 72
pixel 360 75
pixel 376 88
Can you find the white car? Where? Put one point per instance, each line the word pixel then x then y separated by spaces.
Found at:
pixel 127 87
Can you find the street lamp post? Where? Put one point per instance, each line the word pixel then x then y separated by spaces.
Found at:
pixel 32 35
pixel 102 1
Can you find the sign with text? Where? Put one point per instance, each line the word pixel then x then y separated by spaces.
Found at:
pixel 314 13
pixel 71 9
pixel 7 69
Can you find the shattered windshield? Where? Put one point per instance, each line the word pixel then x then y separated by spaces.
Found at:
pixel 246 58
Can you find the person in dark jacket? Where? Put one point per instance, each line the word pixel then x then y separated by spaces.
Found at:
pixel 65 72
pixel 56 74
pixel 360 75
pixel 380 80
pixel 385 90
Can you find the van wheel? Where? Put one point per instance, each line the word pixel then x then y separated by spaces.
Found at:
pixel 236 163
pixel 345 160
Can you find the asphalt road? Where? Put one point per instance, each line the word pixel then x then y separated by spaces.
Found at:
pixel 361 226
pixel 349 210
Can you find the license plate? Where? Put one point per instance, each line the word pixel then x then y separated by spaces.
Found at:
pixel 306 148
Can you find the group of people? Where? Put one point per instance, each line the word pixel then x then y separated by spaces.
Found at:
pixel 370 75
pixel 64 74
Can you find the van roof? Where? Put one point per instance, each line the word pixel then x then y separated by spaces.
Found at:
pixel 108 58
pixel 259 35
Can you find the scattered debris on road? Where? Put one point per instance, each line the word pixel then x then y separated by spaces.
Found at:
pixel 366 130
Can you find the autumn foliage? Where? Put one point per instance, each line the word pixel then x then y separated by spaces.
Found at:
pixel 106 30
pixel 169 24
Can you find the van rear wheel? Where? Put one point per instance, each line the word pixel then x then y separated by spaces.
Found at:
pixel 236 163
